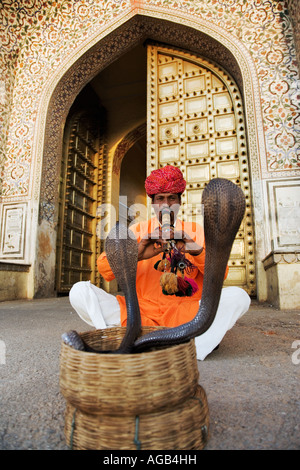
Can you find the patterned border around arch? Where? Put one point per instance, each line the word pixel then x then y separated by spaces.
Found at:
pixel 136 30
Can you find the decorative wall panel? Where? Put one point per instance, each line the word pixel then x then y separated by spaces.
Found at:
pixel 284 201
pixel 13 225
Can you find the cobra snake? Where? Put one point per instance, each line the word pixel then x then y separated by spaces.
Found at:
pixel 224 208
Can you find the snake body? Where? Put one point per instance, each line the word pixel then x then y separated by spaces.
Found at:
pixel 224 207
pixel 122 254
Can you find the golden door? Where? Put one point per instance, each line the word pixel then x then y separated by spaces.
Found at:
pixel 81 190
pixel 196 122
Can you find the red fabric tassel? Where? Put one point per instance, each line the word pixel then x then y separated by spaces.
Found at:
pixel 193 284
pixel 182 285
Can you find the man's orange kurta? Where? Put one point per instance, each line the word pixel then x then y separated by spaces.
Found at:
pixel 157 308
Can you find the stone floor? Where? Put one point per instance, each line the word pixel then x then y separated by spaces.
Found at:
pixel 251 381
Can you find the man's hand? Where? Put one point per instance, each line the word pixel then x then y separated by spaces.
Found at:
pixel 187 244
pixel 151 245
pixel 154 243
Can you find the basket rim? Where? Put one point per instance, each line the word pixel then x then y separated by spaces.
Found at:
pixel 153 352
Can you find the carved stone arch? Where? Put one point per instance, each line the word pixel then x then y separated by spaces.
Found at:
pixel 95 59
pixel 197 36
pixel 126 143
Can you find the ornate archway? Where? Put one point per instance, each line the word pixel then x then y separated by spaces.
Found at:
pixel 201 38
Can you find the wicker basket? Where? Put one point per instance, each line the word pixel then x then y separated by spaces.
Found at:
pixel 127 384
pixel 184 427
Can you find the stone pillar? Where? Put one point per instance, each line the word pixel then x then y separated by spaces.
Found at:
pixel 283 279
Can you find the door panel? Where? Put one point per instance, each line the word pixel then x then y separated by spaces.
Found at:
pixel 196 122
pixel 80 192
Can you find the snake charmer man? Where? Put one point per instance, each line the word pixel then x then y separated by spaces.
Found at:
pixel 159 304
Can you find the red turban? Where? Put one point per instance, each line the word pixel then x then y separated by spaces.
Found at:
pixel 168 179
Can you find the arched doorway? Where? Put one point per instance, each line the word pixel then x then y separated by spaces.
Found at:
pixel 98 58
pixel 195 121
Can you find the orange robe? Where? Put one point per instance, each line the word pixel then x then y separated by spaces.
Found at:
pixel 157 308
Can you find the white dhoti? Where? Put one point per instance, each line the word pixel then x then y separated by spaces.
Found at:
pixel 95 306
pixel 101 310
pixel 234 302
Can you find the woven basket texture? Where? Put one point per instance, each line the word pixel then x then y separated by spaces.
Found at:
pixel 127 384
pixel 184 427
